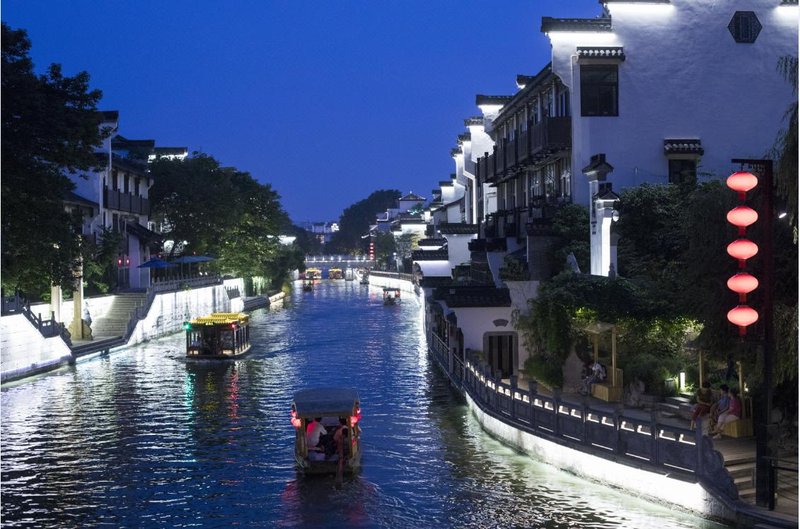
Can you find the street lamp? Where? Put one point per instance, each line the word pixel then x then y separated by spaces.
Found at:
pixel 765 485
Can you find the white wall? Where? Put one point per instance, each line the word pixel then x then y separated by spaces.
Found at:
pixel 22 348
pixel 474 322
pixel 458 248
pixel 170 310
pixel 683 77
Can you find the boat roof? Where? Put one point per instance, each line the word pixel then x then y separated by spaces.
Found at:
pixel 385 289
pixel 319 402
pixel 221 318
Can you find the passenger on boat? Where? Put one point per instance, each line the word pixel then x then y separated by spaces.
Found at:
pixel 339 444
pixel 314 431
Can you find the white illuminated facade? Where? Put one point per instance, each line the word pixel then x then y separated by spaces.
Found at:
pixel 116 197
pixel 673 89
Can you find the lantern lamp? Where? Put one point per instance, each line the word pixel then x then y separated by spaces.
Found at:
pixel 742 316
pixel 742 182
pixel 742 217
pixel 742 283
pixel 742 249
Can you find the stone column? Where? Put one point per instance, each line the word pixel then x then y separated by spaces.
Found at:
pixel 55 301
pixel 76 327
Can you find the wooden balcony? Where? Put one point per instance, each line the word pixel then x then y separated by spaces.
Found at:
pixel 550 135
pixel 127 202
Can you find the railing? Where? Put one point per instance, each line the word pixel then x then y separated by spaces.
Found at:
pixel 783 474
pixel 393 275
pixel 233 292
pixel 338 259
pixel 615 434
pixel 115 199
pixel 549 134
pixel 48 328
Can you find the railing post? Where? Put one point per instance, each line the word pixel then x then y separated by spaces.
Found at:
pixel 654 453
pixel 513 397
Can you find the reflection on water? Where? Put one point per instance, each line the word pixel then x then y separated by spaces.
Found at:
pixel 143 438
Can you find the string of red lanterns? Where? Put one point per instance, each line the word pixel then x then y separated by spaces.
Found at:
pixel 742 249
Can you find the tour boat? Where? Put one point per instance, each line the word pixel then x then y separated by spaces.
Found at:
pixel 391 295
pixel 335 273
pixel 313 273
pixel 218 335
pixel 339 412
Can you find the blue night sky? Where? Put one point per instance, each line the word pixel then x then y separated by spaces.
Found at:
pixel 326 101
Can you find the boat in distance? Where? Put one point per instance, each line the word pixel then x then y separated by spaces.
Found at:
pixel 391 296
pixel 327 418
pixel 220 335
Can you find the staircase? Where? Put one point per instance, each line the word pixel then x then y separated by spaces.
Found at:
pixel 114 322
pixel 742 469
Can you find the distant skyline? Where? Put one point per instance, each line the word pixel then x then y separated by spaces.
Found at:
pixel 325 101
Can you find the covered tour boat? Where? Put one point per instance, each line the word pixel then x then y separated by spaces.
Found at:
pixel 313 273
pixel 328 418
pixel 391 296
pixel 218 335
pixel 335 273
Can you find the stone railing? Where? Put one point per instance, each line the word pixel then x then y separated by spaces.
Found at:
pixel 630 437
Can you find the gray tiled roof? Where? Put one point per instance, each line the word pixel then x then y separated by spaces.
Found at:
pixel 601 52
pixel 430 255
pixel 575 24
pixel 439 241
pixel 682 146
pixel 473 296
pixel 481 99
pixel 454 228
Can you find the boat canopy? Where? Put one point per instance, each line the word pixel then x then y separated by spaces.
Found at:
pixel 222 318
pixel 321 402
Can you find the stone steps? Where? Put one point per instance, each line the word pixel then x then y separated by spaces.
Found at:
pixel 115 322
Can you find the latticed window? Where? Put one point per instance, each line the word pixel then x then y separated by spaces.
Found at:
pixel 599 90
pixel 682 171
pixel 744 27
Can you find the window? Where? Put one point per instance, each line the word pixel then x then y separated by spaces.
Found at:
pixel 599 87
pixel 682 171
pixel 744 27
pixel 566 185
pixel 550 184
pixel 500 349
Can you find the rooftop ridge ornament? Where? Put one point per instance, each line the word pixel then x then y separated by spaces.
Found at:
pixel 742 249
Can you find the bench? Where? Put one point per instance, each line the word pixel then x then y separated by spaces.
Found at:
pixel 608 392
pixel 742 427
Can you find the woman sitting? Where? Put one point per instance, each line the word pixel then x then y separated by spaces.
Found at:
pixel 733 413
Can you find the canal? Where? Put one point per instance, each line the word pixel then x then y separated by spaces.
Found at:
pixel 141 438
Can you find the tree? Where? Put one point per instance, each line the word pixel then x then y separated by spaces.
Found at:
pixel 571 225
pixel 786 146
pixel 223 212
pixel 50 126
pixel 197 201
pixel 404 245
pixel 357 219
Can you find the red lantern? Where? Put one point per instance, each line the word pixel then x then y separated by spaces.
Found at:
pixel 742 217
pixel 742 316
pixel 742 182
pixel 742 283
pixel 742 249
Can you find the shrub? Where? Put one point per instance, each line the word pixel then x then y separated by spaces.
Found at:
pixel 544 370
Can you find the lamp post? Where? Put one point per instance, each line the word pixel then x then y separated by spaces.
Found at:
pixel 765 485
